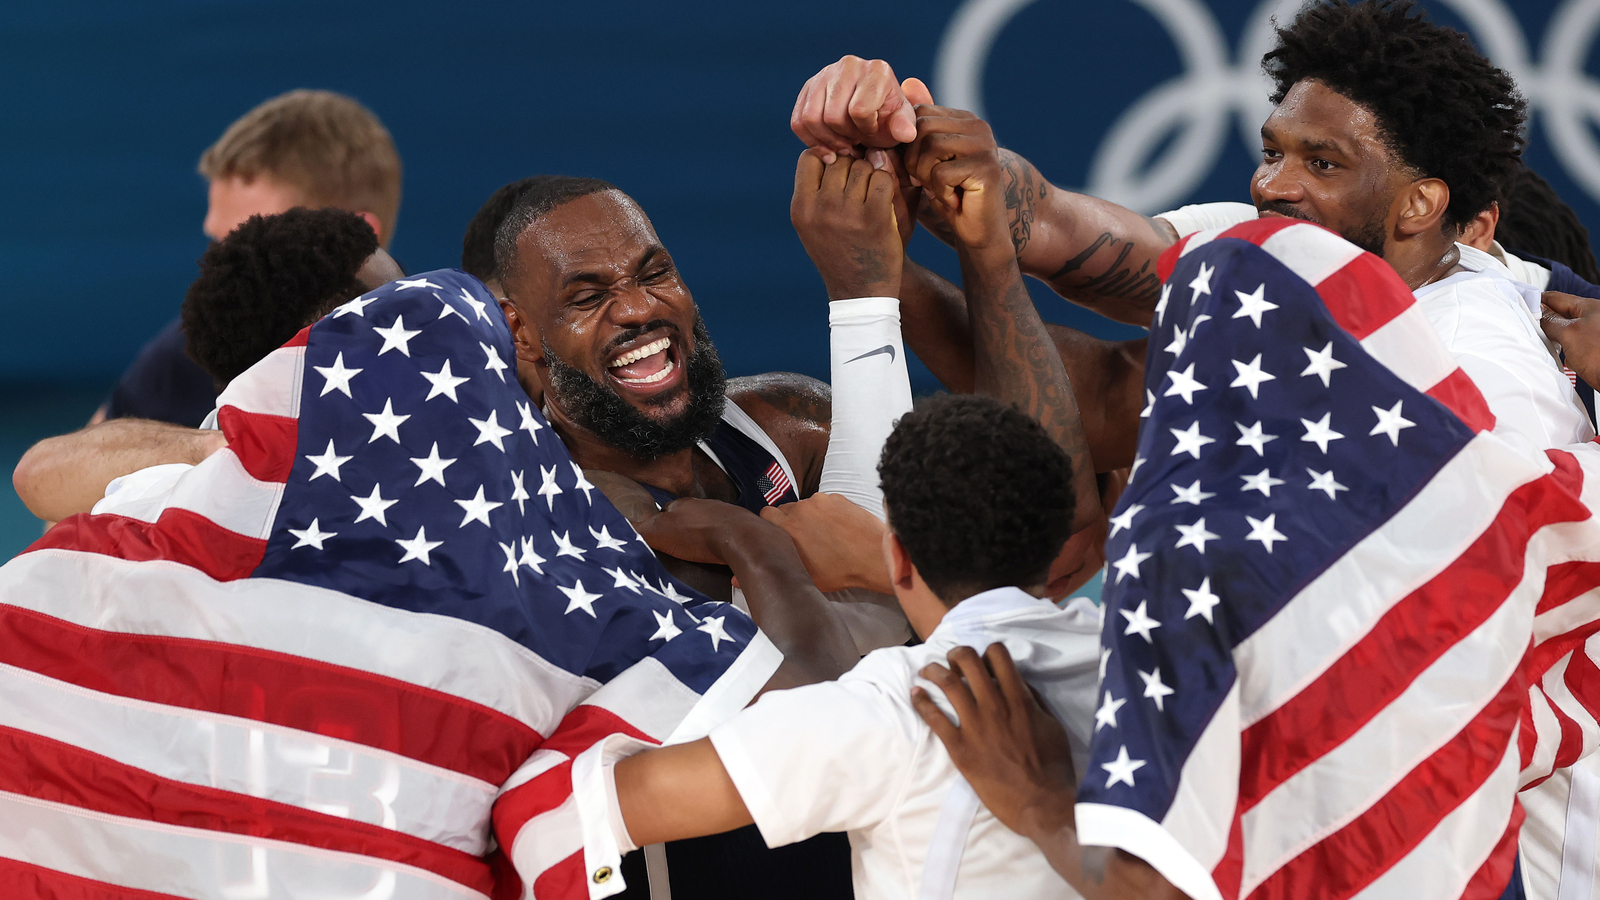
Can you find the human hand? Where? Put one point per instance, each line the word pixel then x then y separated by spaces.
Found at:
pixel 1574 323
pixel 1013 753
pixel 844 213
pixel 856 102
pixel 956 162
pixel 839 542
pixel 706 531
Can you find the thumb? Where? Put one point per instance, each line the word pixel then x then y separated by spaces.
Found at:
pixel 1564 304
pixel 1553 324
pixel 916 92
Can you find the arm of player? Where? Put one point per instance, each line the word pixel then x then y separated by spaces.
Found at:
pixel 955 159
pixel 1017 760
pixel 675 793
pixel 783 600
pixel 68 474
pixel 1093 252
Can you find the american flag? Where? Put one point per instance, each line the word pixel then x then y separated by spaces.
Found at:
pixel 774 484
pixel 1320 641
pixel 389 613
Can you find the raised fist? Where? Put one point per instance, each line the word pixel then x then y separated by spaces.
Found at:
pixel 957 163
pixel 844 212
pixel 856 103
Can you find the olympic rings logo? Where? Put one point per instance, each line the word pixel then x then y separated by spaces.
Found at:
pixel 1198 106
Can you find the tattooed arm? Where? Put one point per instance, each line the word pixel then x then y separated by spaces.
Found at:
pixel 1097 254
pixel 955 159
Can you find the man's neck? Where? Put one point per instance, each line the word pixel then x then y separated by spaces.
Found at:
pixel 1420 263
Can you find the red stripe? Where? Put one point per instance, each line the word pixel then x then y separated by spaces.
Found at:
pixel 1571 743
pixel 292 691
pixel 179 536
pixel 1582 679
pixel 1406 640
pixel 264 444
pixel 1229 871
pixel 1527 731
pixel 38 767
pixel 1365 295
pixel 1494 876
pixel 1351 858
pixel 581 729
pixel 300 338
pixel 1566 582
pixel 1462 397
pixel 566 880
pixel 1168 260
pixel 27 880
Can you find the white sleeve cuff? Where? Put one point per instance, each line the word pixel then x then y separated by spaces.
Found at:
pixel 1104 825
pixel 746 778
pixel 871 391
pixel 594 791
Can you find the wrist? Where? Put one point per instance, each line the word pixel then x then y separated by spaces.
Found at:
pixel 1046 817
pixel 990 264
pixel 854 288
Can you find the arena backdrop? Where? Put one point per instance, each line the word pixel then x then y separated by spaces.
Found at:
pixel 1153 103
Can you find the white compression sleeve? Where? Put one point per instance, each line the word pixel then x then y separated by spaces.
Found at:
pixel 871 391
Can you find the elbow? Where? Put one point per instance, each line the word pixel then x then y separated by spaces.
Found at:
pixel 29 480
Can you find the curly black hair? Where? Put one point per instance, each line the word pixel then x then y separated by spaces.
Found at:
pixel 978 494
pixel 269 278
pixel 537 200
pixel 477 245
pixel 1445 110
pixel 1533 219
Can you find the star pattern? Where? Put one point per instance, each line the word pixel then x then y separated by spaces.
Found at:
pixel 549 489
pixel 1319 432
pixel 1201 601
pixel 1250 376
pixel 583 483
pixel 1253 438
pixel 311 536
pixel 1106 715
pixel 396 336
pixel 477 509
pixel 713 626
pixel 1264 530
pixel 493 363
pixel 432 467
pixel 1129 563
pixel 1184 385
pixel 1124 519
pixel 1139 622
pixel 1261 481
pixel 1190 440
pixel 328 463
pixel 1191 494
pixel 1323 481
pixel 336 377
pixel 666 629
pixel 565 547
pixel 1321 363
pixel 1390 423
pixel 578 598
pixel 489 431
pixel 1194 535
pixel 604 540
pixel 444 383
pixel 386 423
pixel 1254 304
pixel 418 547
pixel 1121 769
pixel 373 506
pixel 1154 689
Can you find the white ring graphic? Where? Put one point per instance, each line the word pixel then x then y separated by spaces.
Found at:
pixel 1197 106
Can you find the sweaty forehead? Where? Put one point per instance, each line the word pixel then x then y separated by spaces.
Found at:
pixel 600 233
pixel 1315 116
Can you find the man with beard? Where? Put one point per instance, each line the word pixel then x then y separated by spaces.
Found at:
pixel 1389 130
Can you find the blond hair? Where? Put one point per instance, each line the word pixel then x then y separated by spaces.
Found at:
pixel 327 145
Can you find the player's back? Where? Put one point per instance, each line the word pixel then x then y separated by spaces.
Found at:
pixel 853 755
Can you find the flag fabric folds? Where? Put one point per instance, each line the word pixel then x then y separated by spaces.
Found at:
pixel 387 614
pixel 1320 641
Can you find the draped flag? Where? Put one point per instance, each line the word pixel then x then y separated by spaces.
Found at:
pixel 320 661
pixel 1320 641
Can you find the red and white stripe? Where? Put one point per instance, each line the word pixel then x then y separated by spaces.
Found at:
pixel 780 484
pixel 1401 789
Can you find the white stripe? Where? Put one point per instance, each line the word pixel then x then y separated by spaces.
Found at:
pixel 285 765
pixel 158 597
pixel 1445 861
pixel 1311 252
pixel 1201 814
pixel 221 490
pixel 1578 844
pixel 1547 735
pixel 1348 780
pixel 1410 347
pixel 271 386
pixel 649 697
pixel 1103 825
pixel 731 692
pixel 948 843
pixel 1569 616
pixel 1338 609
pixel 205 865
pixel 547 839
pixel 1200 239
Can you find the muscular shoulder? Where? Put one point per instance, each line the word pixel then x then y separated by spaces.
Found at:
pixel 796 411
pixel 779 396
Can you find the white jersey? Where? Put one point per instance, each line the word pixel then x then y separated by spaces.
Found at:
pixel 853 755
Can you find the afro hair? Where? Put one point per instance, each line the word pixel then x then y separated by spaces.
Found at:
pixel 978 494
pixel 269 278
pixel 1446 112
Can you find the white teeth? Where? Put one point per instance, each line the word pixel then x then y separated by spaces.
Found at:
pixel 650 379
pixel 650 349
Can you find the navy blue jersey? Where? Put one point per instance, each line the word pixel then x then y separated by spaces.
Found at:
pixel 164 384
pixel 759 476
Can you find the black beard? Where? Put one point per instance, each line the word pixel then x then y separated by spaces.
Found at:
pixel 598 409
pixel 1368 237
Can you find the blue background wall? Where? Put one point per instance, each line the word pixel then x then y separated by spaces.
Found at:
pixel 106 108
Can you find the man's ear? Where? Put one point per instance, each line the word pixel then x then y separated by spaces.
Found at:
pixel 1479 233
pixel 377 227
pixel 1422 206
pixel 901 570
pixel 524 336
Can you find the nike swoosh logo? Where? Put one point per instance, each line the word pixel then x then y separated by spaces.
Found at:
pixel 886 348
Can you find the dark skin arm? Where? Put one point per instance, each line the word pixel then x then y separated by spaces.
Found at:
pixel 796 411
pixel 1092 252
pixel 783 600
pixel 956 161
pixel 1015 756
pixel 1574 323
pixel 1107 376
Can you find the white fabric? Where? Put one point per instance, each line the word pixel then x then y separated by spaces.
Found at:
pixel 1490 324
pixel 142 494
pixel 853 755
pixel 871 391
pixel 1204 216
pixel 1529 273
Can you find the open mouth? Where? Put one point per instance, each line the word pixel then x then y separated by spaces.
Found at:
pixel 645 366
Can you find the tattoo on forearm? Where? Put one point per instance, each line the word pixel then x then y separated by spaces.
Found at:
pixel 1119 280
pixel 1021 195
